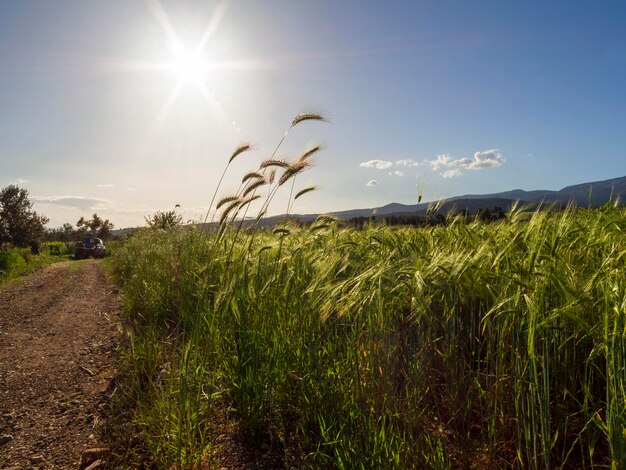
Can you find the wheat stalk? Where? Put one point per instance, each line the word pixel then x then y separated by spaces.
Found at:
pixel 252 175
pixel 307 117
pixel 272 176
pixel 233 204
pixel 239 150
pixel 306 155
pixel 226 200
pixel 248 200
pixel 302 192
pixel 253 186
pixel 273 162
pixel 292 171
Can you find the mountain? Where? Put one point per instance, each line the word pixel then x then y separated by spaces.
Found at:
pixel 595 193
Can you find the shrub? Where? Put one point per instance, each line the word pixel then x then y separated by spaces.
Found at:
pixel 11 261
pixel 54 248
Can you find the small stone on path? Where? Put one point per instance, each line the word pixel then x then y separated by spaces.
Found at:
pixel 95 465
pixel 90 456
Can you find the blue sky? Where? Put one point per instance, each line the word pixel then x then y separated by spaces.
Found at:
pixel 434 98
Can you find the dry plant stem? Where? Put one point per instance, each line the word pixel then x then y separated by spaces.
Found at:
pixel 219 183
pixel 299 118
pixel 289 201
pixel 238 151
pixel 263 170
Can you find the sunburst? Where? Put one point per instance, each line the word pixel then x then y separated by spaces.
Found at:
pixel 189 65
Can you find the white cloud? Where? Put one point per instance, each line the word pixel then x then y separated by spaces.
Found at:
pixel 22 181
pixel 396 173
pixel 131 189
pixel 82 203
pixel 452 173
pixel 378 164
pixel 485 159
pixel 440 161
pixel 464 162
pixel 407 162
pixel 106 185
pixel 372 183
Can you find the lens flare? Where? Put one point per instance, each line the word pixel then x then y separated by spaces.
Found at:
pixel 189 65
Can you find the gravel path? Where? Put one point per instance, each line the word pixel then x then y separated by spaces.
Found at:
pixel 59 330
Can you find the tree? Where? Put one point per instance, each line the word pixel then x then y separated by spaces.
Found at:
pixel 95 223
pixel 81 227
pixel 19 224
pixel 61 234
pixel 164 220
pixel 67 232
pixel 104 231
pixel 96 227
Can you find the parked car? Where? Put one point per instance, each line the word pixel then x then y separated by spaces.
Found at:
pixel 90 247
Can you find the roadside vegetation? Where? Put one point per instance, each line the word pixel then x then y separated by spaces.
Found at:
pixel 26 245
pixel 16 262
pixel 469 345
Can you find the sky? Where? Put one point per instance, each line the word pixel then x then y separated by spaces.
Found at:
pixel 125 108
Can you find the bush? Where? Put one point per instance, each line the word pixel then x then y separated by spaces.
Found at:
pixel 11 261
pixel 55 248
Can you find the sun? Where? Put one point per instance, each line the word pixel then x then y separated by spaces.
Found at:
pixel 189 65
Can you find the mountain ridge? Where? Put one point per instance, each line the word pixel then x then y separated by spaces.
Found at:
pixel 594 193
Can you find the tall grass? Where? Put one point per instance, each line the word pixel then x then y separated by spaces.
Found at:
pixel 493 345
pixel 16 262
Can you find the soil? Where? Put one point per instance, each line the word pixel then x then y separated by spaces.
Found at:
pixel 59 330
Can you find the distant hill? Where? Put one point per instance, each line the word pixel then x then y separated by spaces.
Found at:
pixel 595 193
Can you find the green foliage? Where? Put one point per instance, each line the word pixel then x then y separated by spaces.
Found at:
pixel 65 234
pixel 15 262
pixel 55 248
pixel 164 220
pixel 19 224
pixel 387 347
pixel 96 227
pixel 11 261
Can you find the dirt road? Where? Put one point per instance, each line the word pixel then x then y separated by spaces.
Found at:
pixel 58 333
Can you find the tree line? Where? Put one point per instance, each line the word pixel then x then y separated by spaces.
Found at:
pixel 96 227
pixel 21 226
pixel 430 219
